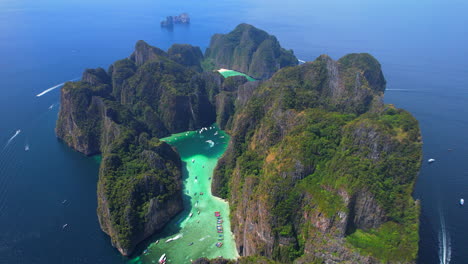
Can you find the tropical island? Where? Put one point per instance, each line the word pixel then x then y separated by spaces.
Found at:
pixel 317 169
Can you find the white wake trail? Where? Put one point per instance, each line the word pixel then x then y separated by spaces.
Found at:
pixel 13 137
pixel 211 142
pixel 445 247
pixel 54 87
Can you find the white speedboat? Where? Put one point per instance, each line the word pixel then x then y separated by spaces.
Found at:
pixel 462 201
pixel 430 160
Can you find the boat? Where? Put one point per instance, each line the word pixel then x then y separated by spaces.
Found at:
pixel 65 225
pixel 26 148
pixel 198 211
pixel 145 251
pixel 191 243
pixel 64 201
pixel 162 259
pixel 157 241
pixel 430 160
pixel 462 201
pixel 190 215
pixel 219 244
pixel 201 193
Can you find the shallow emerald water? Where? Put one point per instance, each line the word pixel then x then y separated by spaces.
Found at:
pixel 200 153
pixel 230 73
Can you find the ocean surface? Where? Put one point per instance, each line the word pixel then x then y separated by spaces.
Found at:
pixel 48 191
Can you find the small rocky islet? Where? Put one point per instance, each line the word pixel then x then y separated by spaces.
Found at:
pixel 318 169
pixel 169 22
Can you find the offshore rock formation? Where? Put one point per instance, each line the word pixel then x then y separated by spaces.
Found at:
pixel 249 50
pixel 318 169
pixel 183 18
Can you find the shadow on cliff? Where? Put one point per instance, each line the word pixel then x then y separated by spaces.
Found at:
pixel 173 227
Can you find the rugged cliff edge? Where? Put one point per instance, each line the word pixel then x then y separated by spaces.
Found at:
pixel 120 114
pixel 318 169
pixel 249 50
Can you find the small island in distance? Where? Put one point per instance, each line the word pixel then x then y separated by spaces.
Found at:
pixel 183 18
pixel 317 168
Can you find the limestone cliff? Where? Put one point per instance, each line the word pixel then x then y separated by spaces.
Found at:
pixel 120 114
pixel 248 50
pixel 317 163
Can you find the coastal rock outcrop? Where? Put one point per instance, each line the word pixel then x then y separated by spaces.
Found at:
pixel 183 18
pixel 249 50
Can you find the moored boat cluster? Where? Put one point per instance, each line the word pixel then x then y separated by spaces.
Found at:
pixel 219 227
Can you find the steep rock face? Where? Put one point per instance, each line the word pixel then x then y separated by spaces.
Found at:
pixel 248 50
pixel 149 201
pixel 118 114
pixel 80 118
pixel 168 96
pixel 315 154
pixel 95 76
pixel 144 52
pixel 187 55
pixel 225 101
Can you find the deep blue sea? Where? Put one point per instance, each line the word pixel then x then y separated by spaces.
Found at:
pixel 422 46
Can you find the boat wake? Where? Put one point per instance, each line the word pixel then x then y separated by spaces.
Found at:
pixel 445 247
pixel 174 238
pixel 210 142
pixel 301 61
pixel 13 137
pixel 203 238
pixel 54 87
